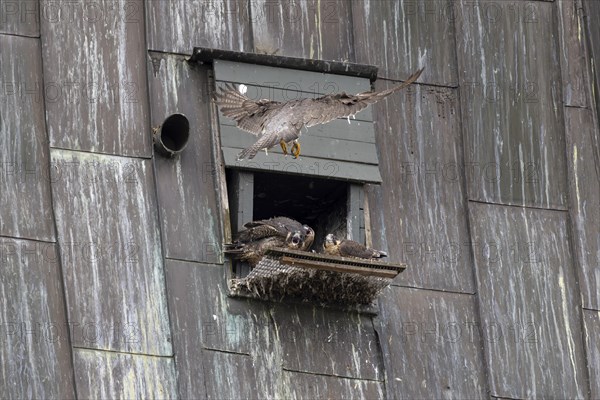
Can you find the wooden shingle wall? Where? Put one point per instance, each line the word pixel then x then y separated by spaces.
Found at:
pixel 113 282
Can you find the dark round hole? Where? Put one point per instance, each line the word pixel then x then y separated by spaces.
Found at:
pixel 175 132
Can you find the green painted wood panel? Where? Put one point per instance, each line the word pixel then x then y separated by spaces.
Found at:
pixel 529 303
pixel 103 374
pixel 95 77
pixel 306 29
pixel 175 26
pixel 333 169
pixel 35 352
pixel 418 213
pixel 431 344
pixel 108 230
pixel 286 78
pixel 584 189
pixel 190 217
pixel 510 89
pixel 25 197
pixel 402 36
pixel 312 146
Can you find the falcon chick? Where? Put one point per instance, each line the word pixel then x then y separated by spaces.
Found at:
pixel 276 122
pixel 349 248
pixel 259 236
pixel 277 226
pixel 253 252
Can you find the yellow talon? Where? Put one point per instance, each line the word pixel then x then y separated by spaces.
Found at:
pixel 284 147
pixel 296 149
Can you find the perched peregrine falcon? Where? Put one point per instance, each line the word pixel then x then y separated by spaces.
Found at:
pixel 349 248
pixel 259 236
pixel 281 122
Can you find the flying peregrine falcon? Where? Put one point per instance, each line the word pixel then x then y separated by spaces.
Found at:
pixel 349 248
pixel 281 122
pixel 259 236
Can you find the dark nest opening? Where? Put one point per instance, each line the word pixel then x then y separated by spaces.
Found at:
pixel 315 278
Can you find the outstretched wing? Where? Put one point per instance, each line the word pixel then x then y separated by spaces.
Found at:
pixel 249 115
pixel 327 108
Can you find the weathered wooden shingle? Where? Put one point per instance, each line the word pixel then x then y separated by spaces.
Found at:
pixel 231 376
pixel 418 213
pixel 186 183
pixel 35 351
pixel 592 336
pixel 110 375
pixel 296 385
pixel 318 29
pixel 401 36
pixel 204 317
pixel 584 178
pixel 25 199
pixel 106 216
pixel 431 344
pixel 510 90
pixel 176 26
pixel 528 300
pixel 20 18
pixel 95 77
pixel 573 59
pixel 341 343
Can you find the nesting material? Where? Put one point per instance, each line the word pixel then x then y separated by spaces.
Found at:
pixel 316 278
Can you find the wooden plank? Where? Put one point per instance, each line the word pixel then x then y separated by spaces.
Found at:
pixel 528 301
pixel 575 78
pixel 318 29
pixel 308 386
pixel 287 91
pixel 290 79
pixel 402 36
pixel 241 206
pixel 355 131
pixel 418 214
pixel 332 169
pixel 25 195
pixel 20 17
pixel 204 317
pixel 206 54
pixel 102 374
pixel 176 26
pixel 342 344
pixel 191 227
pixel 514 140
pixel 592 333
pixel 354 212
pixel 431 345
pixel 339 268
pixel 35 352
pixel 584 175
pixel 111 252
pixel 96 98
pixel 327 149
